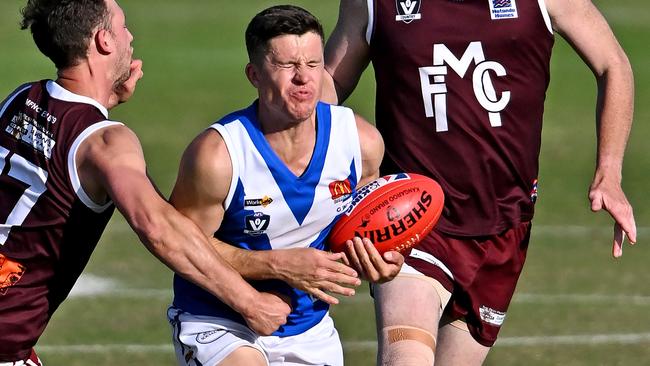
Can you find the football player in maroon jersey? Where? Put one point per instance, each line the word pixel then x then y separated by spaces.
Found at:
pixel 64 166
pixel 460 96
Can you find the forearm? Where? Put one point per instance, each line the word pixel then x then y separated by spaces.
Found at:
pixel 180 245
pixel 614 117
pixel 251 264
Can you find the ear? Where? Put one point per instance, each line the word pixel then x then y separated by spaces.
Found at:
pixel 252 74
pixel 104 42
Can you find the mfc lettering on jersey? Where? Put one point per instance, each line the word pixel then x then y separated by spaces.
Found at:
pixel 463 104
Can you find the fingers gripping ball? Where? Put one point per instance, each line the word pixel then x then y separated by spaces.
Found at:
pixel 395 212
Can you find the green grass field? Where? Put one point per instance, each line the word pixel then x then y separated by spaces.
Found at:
pixel 575 305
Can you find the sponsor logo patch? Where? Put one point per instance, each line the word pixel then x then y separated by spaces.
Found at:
pixel 209 336
pixel 503 9
pixel 408 10
pixel 256 224
pixel 492 316
pixel 10 273
pixel 254 202
pixel 24 128
pixel 340 190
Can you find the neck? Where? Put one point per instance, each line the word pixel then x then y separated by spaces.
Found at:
pixel 292 141
pixel 85 80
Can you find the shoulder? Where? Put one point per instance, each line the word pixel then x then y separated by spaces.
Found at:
pixel 111 134
pixel 206 161
pixel 369 136
pixel 114 144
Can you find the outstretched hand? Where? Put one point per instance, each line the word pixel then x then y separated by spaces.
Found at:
pixel 607 195
pixel 364 257
pixel 317 273
pixel 123 92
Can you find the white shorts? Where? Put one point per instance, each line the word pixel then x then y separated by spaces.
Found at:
pixel 206 341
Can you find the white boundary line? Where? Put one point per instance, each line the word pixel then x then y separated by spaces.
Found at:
pixel 536 341
pixel 92 286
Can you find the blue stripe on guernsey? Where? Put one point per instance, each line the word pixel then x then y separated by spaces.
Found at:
pixel 299 191
pixel 269 207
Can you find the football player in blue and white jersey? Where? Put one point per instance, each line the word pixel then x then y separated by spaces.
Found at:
pixel 268 182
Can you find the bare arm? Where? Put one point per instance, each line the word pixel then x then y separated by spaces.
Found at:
pixel 583 26
pixel 200 191
pixel 361 253
pixel 111 162
pixel 346 51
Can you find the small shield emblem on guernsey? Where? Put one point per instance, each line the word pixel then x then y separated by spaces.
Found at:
pixel 408 10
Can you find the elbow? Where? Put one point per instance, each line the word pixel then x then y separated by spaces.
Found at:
pixel 618 66
pixel 151 231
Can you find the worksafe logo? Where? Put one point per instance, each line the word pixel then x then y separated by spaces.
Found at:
pixel 408 10
pixel 264 201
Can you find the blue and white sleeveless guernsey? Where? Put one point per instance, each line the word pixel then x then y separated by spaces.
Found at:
pixel 269 207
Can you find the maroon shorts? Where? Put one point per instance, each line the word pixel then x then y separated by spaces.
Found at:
pixel 484 274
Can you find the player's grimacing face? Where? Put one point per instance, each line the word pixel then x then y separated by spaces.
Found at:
pixel 292 75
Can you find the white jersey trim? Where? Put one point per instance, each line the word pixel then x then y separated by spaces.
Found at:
pixel 72 166
pixel 57 91
pixel 343 114
pixel 223 131
pixel 547 18
pixel 371 20
pixel 12 97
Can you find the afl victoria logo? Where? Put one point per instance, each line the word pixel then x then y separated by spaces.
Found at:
pixel 408 10
pixel 257 223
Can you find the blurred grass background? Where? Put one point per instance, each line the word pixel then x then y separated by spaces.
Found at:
pixel 194 57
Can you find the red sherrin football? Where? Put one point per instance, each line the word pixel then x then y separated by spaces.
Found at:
pixel 395 212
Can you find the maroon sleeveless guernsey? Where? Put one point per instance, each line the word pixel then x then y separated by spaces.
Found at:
pixel 460 93
pixel 48 225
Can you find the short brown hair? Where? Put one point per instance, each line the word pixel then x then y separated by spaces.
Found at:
pixel 276 21
pixel 62 29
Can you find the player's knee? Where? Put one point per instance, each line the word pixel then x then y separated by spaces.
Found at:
pixel 407 346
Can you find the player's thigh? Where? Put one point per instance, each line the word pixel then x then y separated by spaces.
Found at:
pixel 318 345
pixel 408 310
pixel 410 299
pixel 457 347
pixel 244 356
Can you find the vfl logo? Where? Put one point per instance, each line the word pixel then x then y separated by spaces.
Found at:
pixel 264 201
pixel 256 224
pixel 340 189
pixel 407 10
pixel 503 9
